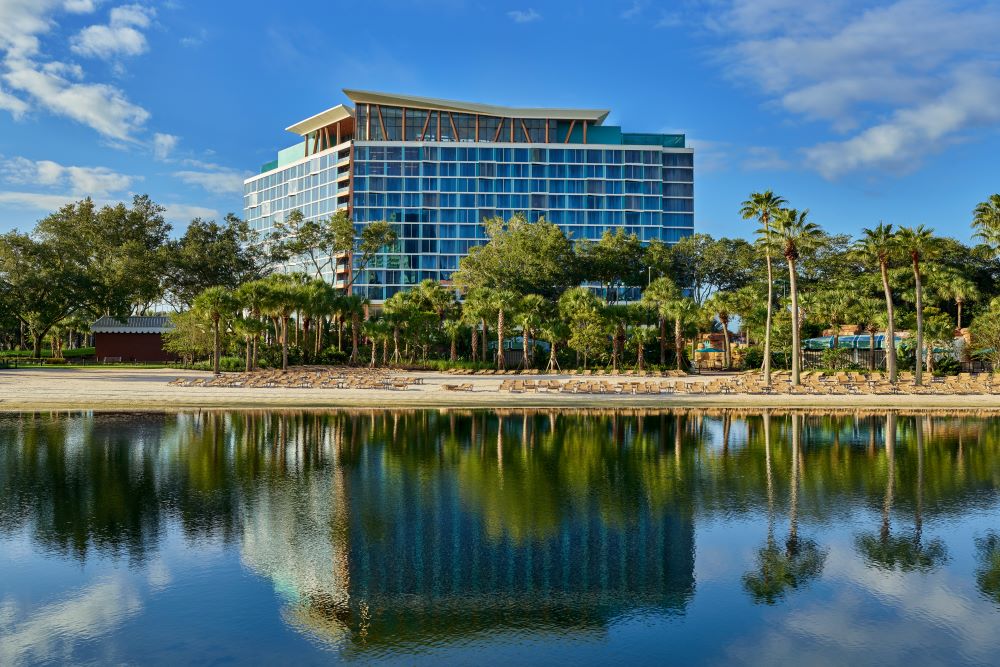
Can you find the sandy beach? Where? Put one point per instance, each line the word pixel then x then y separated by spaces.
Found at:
pixel 141 389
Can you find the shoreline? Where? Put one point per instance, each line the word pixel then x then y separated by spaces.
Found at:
pixel 148 390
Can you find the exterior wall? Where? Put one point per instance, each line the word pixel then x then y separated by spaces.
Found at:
pixel 439 183
pixel 440 192
pixel 131 347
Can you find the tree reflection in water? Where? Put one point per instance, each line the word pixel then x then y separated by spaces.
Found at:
pixel 381 528
pixel 780 570
pixel 905 553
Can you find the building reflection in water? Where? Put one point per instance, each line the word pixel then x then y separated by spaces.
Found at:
pixel 382 529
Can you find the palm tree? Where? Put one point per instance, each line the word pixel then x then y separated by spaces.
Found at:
pixel 920 245
pixel 252 297
pixel 869 315
pixel 529 318
pixel 354 306
pixel 618 315
pixel 833 307
pixel 640 336
pixel 720 305
pixel 684 311
pixel 505 302
pixel 879 246
pixel 438 298
pixel 282 298
pixel 796 235
pixel 986 220
pixel 658 295
pixel 953 286
pixel 216 303
pixel 452 328
pixel 555 331
pixel 762 206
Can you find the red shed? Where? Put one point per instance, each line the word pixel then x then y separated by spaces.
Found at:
pixel 136 339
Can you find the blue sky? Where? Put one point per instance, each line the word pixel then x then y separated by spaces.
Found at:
pixel 858 111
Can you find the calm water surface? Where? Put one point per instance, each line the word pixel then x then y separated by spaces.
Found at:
pixel 434 537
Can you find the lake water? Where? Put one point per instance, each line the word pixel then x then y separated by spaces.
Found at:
pixel 464 537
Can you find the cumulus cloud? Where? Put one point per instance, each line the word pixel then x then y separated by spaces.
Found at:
pixel 120 37
pixel 524 15
pixel 164 145
pixel 29 81
pixel 185 213
pixel 900 79
pixel 220 181
pixel 94 182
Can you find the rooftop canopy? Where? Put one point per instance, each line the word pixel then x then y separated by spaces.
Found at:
pixel 595 116
pixel 139 325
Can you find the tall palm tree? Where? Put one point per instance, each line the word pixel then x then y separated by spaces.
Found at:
pixel 684 311
pixel 216 303
pixel 953 286
pixel 721 306
pixel 986 220
pixel 869 314
pixel 762 207
pixel 878 245
pixel 796 235
pixel 439 298
pixel 354 306
pixel 251 297
pixel 920 245
pixel 505 302
pixel 658 295
pixel 452 328
pixel 529 318
pixel 281 300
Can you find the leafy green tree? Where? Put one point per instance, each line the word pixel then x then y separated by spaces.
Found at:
pixel 640 336
pixel 615 261
pixel 218 305
pixel 796 234
pixel 762 207
pixel 374 237
pixel 833 308
pixel 878 246
pixel 317 244
pixel 354 306
pixel 210 254
pixel 869 313
pixel 919 244
pixel 583 311
pixel 190 337
pixel 521 256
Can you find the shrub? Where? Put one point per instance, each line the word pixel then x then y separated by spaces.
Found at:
pixel 52 361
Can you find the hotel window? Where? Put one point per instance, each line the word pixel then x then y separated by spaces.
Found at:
pixel 488 127
pixel 466 124
pixel 392 117
pixel 415 123
pixel 361 122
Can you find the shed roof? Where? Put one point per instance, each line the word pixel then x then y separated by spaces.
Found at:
pixel 156 324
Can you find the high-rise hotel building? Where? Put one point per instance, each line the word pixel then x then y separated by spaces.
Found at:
pixel 437 168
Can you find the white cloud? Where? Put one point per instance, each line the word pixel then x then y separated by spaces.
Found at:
pixel 164 145
pixel 901 77
pixel 764 158
pixel 633 10
pixel 100 106
pixel 97 182
pixel 120 37
pixel 185 213
pixel 29 81
pixel 220 181
pixel 524 15
pixel 35 201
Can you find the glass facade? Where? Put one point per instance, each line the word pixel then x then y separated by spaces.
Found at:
pixel 437 174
